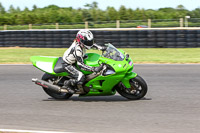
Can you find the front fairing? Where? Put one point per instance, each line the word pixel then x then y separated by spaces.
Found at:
pixel 119 66
pixel 113 57
pixel 117 71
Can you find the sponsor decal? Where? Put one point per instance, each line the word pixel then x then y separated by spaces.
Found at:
pixel 130 63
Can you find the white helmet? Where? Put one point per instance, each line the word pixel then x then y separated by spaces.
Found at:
pixel 85 37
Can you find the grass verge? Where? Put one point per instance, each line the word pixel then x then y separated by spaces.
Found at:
pixel 139 55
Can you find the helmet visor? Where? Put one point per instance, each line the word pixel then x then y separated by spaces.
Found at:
pixel 88 42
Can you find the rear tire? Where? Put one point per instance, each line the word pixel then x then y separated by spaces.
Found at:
pixel 138 89
pixel 50 78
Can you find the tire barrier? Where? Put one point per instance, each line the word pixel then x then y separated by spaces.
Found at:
pixel 186 38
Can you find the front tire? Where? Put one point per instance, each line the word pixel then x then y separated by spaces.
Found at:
pixel 51 78
pixel 137 91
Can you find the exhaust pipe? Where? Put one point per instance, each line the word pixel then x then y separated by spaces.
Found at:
pixel 49 86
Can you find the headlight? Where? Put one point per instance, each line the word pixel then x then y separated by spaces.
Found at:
pixel 108 72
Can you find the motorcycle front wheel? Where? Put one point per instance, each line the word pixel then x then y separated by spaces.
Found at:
pixel 137 91
pixel 51 78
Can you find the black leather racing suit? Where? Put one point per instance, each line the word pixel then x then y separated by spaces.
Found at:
pixel 75 54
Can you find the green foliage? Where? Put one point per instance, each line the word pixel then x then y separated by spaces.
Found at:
pixel 123 13
pixel 2 9
pixel 91 13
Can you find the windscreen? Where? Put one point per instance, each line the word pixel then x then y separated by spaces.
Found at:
pixel 112 53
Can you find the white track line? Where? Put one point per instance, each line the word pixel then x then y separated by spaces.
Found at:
pixel 28 131
pixel 15 64
pixel 134 64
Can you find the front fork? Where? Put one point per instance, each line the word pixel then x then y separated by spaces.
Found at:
pixel 127 77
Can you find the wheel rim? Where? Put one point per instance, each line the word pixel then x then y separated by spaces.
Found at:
pixel 136 88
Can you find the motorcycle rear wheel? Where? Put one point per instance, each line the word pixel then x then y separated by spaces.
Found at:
pixel 51 78
pixel 137 91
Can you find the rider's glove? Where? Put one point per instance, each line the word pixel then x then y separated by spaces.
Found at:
pixel 104 48
pixel 98 69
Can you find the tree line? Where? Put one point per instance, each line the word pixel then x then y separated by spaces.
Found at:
pixel 90 12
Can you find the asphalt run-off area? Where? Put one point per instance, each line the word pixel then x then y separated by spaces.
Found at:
pixel 172 104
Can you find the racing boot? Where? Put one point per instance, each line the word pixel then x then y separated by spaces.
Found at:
pixel 69 85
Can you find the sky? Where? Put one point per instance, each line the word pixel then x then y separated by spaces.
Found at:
pixel 103 4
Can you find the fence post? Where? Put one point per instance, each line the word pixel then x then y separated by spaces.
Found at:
pixel 57 25
pixel 86 25
pixel 5 27
pixel 30 26
pixel 186 20
pixel 117 24
pixel 181 22
pixel 149 23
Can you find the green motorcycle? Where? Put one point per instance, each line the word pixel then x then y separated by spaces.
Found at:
pixel 117 75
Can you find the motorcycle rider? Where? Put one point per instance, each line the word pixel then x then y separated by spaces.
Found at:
pixel 84 40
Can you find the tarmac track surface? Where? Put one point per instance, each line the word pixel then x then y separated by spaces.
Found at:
pixel 172 104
